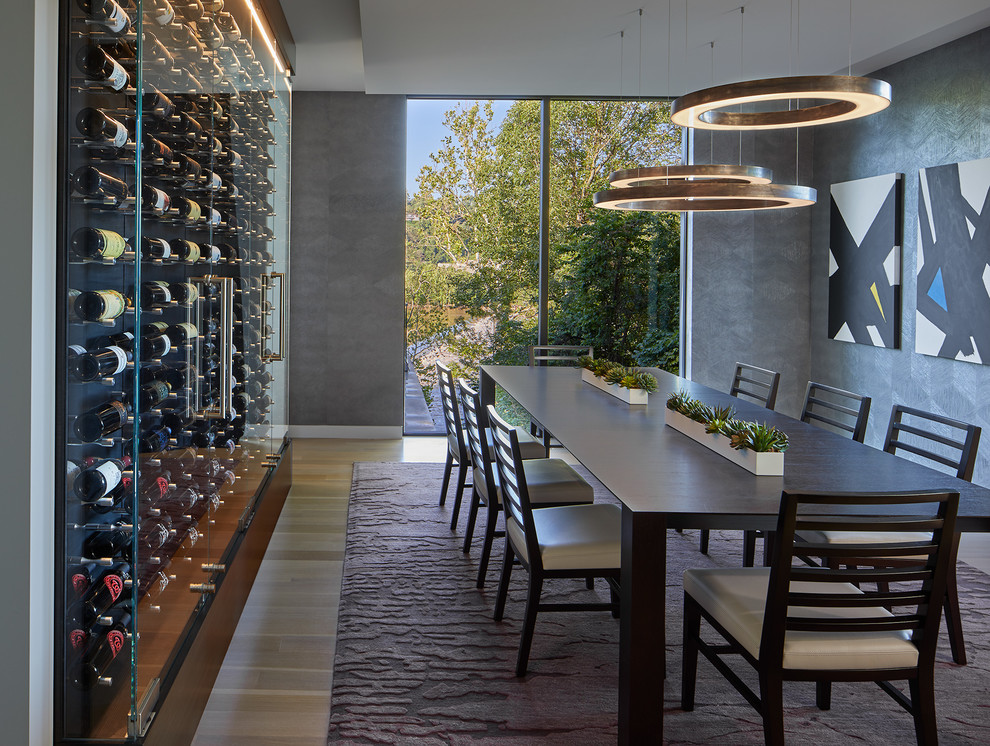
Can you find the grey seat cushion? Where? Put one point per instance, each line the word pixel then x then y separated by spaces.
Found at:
pixel 549 480
pixel 574 537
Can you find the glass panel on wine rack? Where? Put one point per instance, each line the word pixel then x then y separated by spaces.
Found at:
pixel 174 246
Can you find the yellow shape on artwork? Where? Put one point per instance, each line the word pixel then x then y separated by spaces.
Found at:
pixel 876 297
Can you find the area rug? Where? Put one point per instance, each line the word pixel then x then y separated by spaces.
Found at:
pixel 420 662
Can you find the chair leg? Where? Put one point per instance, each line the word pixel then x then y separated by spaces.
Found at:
pixel 749 548
pixel 503 582
pixel 923 708
pixel 614 598
pixel 689 652
pixel 769 539
pixel 446 478
pixel 772 699
pixel 703 542
pixel 486 547
pixel 462 470
pixel 953 620
pixel 472 518
pixel 529 622
pixel 589 583
pixel 823 695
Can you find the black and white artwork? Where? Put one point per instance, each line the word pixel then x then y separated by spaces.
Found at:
pixel 864 261
pixel 953 318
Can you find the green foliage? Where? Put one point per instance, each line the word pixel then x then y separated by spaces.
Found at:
pixel 754 436
pixel 618 374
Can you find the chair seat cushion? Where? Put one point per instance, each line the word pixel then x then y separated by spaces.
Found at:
pixel 865 537
pixel 529 447
pixel 549 481
pixel 736 598
pixel 574 537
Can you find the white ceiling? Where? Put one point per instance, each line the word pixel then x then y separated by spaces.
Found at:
pixel 593 48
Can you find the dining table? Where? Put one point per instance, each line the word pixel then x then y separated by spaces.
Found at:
pixel 665 480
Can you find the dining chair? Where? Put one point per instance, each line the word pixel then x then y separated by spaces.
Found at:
pixel 946 442
pixel 799 623
pixel 829 406
pixel 457 448
pixel 550 481
pixel 549 355
pixel 573 541
pixel 758 385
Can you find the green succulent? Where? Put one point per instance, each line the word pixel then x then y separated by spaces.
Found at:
pixel 587 362
pixel 677 401
pixel 615 375
pixel 699 411
pixel 639 379
pixel 759 438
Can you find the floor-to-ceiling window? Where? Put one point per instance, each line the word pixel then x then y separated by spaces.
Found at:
pixel 473 249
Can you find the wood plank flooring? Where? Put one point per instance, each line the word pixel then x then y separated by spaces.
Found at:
pixel 274 686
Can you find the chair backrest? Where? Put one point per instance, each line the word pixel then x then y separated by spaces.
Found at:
pixel 955 446
pixel 835 407
pixel 475 425
pixel 918 568
pixel 758 384
pixel 515 496
pixel 550 354
pixel 451 416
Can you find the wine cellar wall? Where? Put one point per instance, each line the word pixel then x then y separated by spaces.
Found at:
pixel 173 258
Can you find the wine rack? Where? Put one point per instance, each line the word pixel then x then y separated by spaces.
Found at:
pixel 173 259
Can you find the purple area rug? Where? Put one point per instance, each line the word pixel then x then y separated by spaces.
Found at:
pixel 420 662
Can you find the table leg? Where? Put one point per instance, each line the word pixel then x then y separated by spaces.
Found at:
pixel 486 389
pixel 642 636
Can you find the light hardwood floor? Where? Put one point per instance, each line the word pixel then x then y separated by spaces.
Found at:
pixel 274 687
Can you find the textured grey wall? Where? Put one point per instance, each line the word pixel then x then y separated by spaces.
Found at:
pixel 750 274
pixel 348 258
pixel 940 114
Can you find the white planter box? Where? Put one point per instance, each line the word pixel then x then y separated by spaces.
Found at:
pixel 760 464
pixel 629 396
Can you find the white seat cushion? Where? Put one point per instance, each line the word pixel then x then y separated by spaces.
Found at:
pixel 573 537
pixel 865 537
pixel 529 447
pixel 549 480
pixel 736 598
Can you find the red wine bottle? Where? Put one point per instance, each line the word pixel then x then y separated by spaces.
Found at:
pixel 105 362
pixel 178 420
pixel 100 421
pixel 97 65
pixel 105 592
pixel 154 149
pixel 154 200
pixel 184 333
pixel 99 479
pixel 184 293
pixel 123 340
pixel 117 499
pixel 97 126
pixel 161 11
pixel 155 248
pixel 93 183
pixel 108 14
pixel 151 394
pixel 97 243
pixel 92 667
pixel 108 544
pixel 81 578
pixel 100 305
pixel 155 346
pixel 155 440
pixel 155 294
pixel 189 211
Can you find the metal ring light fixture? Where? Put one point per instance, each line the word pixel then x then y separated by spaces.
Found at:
pixel 712 173
pixel 833 98
pixel 706 197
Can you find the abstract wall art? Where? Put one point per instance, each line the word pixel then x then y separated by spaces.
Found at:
pixel 864 261
pixel 953 317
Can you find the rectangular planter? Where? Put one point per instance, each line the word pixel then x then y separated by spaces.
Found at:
pixel 629 396
pixel 760 464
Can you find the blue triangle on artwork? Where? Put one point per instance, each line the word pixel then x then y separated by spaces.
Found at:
pixel 937 290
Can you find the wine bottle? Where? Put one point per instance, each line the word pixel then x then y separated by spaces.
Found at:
pixel 99 479
pixel 184 293
pixel 108 544
pixel 191 10
pixel 100 305
pixel 97 243
pixel 123 340
pixel 97 126
pixel 81 578
pixel 183 333
pixel 105 592
pixel 151 394
pixel 155 346
pixel 240 402
pixel 156 104
pixel 228 27
pixel 154 149
pixel 91 182
pixel 105 362
pixel 108 14
pixel 211 253
pixel 100 67
pixel 177 420
pixel 161 11
pixel 154 200
pixel 100 421
pixel 209 33
pixel 264 377
pixel 210 180
pixel 191 212
pixel 180 376
pixel 116 499
pixel 155 294
pixel 155 440
pixel 155 248
pixel 153 537
pixel 92 667
pixel 188 168
pixel 153 587
pixel 154 53
pixel 212 216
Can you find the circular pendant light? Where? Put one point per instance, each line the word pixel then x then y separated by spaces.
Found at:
pixel 828 98
pixel 715 173
pixel 714 197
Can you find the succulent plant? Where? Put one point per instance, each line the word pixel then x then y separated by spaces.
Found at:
pixel 716 419
pixel 639 379
pixel 615 375
pixel 698 411
pixel 677 401
pixel 760 438
pixel 587 362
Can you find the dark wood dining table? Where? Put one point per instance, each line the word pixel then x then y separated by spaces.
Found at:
pixel 665 480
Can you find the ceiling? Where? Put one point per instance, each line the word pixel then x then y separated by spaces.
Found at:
pixel 593 48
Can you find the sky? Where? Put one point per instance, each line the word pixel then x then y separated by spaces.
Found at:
pixel 425 130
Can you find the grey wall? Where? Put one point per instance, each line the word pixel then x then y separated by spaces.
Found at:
pixel 748 282
pixel 346 331
pixel 27 304
pixel 940 114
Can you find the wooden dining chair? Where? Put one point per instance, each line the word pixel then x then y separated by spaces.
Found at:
pixel 943 441
pixel 457 452
pixel 574 541
pixel 550 481
pixel 758 385
pixel 799 623
pixel 835 409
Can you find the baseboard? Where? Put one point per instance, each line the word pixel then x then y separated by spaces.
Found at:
pixel 361 432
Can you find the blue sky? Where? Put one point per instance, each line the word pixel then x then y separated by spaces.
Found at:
pixel 425 130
